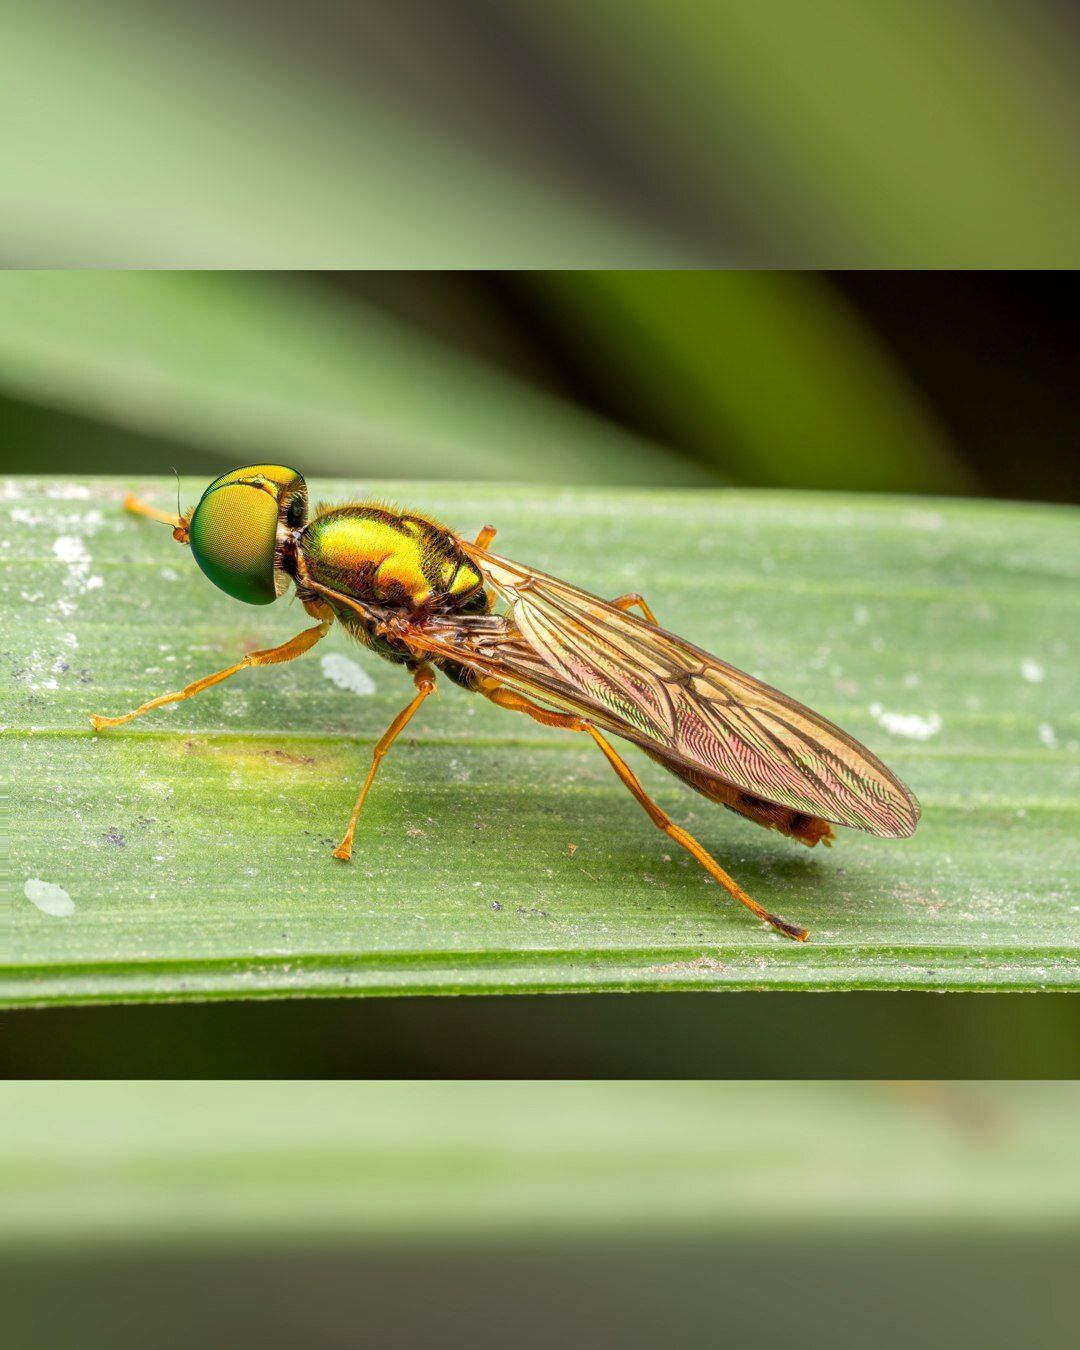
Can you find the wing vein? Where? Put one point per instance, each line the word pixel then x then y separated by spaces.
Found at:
pixel 683 704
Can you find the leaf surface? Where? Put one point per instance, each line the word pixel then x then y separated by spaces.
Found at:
pixel 194 845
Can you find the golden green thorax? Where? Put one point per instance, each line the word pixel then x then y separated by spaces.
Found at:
pixel 383 556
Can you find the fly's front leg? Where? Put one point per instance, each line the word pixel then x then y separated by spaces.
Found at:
pixel 141 508
pixel 288 651
pixel 630 600
pixel 486 535
pixel 506 698
pixel 424 679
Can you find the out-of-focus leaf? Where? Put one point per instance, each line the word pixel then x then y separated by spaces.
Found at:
pixel 768 375
pixel 858 132
pixel 252 370
pixel 194 845
pixel 387 1162
pixel 139 136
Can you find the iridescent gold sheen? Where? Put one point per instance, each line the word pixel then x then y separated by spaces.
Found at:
pixel 385 557
pixel 234 529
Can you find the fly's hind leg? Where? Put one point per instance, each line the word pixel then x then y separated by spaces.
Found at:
pixel 687 841
pixel 486 535
pixel 506 698
pixel 631 600
pixel 424 679
pixel 288 651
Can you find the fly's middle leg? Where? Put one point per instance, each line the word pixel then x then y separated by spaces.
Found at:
pixel 424 679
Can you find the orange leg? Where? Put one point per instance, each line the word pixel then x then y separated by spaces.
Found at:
pixel 288 651
pixel 179 523
pixel 629 601
pixel 140 508
pixel 505 698
pixel 424 679
pixel 486 535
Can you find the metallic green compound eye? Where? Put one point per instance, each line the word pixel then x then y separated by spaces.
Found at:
pixel 234 529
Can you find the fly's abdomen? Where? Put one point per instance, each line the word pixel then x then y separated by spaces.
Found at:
pixel 388 558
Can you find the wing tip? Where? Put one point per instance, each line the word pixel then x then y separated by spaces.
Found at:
pixel 906 816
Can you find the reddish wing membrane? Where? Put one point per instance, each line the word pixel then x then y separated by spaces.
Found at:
pixel 651 687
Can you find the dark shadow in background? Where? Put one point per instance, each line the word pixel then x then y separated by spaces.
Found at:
pixel 996 353
pixel 834 1291
pixel 727 1035
pixel 992 354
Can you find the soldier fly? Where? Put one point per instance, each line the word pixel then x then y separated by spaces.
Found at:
pixel 421 596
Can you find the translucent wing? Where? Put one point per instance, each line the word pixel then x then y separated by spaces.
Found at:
pixel 654 688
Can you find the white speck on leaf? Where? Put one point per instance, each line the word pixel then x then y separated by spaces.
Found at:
pixel 912 725
pixel 49 898
pixel 347 674
pixel 460 772
pixel 1032 671
pixel 1047 734
pixel 70 549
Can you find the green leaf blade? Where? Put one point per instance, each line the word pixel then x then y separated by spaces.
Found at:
pixel 195 843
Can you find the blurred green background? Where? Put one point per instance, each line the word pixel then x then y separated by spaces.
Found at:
pixel 411 1214
pixel 953 383
pixel 935 383
pixel 887 133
